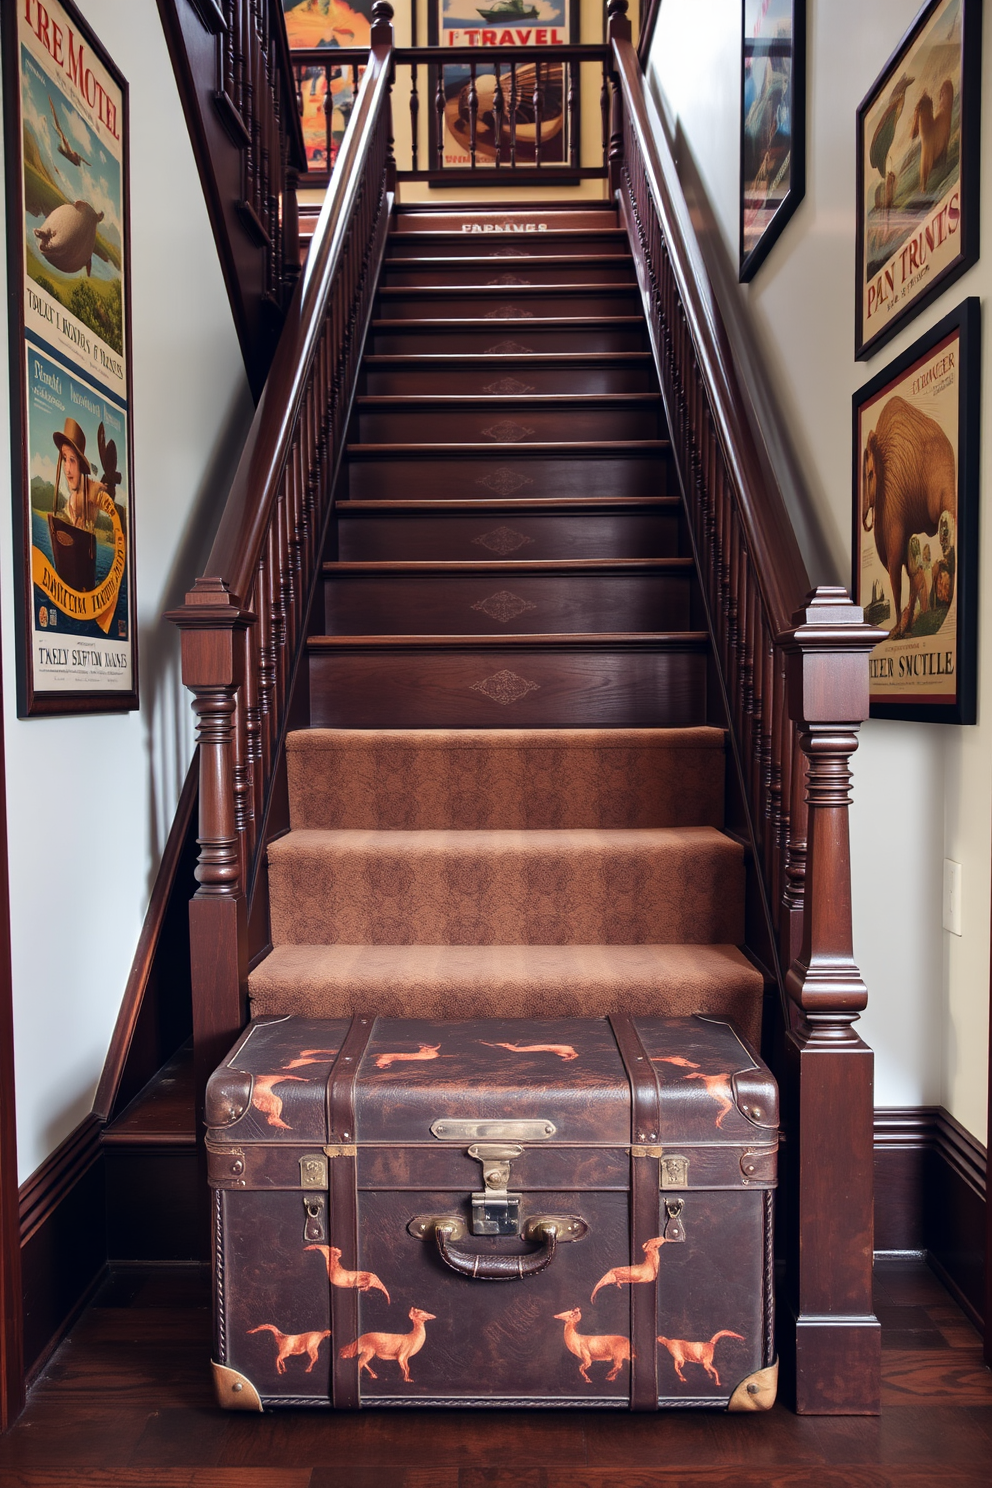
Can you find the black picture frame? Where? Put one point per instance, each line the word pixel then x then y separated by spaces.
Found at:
pixel 72 345
pixel 763 154
pixel 909 215
pixel 564 175
pixel 908 673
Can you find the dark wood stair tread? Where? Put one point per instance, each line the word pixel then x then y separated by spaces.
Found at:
pixel 659 640
pixel 493 402
pixel 508 322
pixel 519 504
pixel 517 567
pixel 521 261
pixel 506 359
pixel 564 449
pixel 162 1114
pixel 501 291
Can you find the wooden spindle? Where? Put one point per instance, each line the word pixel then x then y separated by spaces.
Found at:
pixel 473 113
pixel 537 102
pixel 498 111
pixel 439 115
pixel 328 117
pixel 414 113
pixel 514 99
pixel 571 119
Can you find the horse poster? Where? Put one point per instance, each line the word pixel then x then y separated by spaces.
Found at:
pixel 773 124
pixel 66 122
pixel 915 523
pixel 918 186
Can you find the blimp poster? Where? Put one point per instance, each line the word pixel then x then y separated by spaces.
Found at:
pixel 66 105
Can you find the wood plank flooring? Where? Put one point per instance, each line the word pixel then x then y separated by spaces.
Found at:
pixel 126 1403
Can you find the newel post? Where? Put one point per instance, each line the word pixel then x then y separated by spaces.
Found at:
pixel 211 622
pixel 617 29
pixel 381 39
pixel 828 1086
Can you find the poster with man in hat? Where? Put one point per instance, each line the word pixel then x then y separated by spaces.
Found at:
pixel 79 533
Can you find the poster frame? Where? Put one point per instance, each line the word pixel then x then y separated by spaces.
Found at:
pixel 966 320
pixel 969 172
pixel 33 701
pixel 752 260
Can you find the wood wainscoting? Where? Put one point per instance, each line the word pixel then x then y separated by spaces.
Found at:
pixel 930 1197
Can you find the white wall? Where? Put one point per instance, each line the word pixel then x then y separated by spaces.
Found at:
pixel 90 800
pixel 922 792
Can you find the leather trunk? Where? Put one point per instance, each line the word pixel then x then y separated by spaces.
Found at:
pixel 493 1213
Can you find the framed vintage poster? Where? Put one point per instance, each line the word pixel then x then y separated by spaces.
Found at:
pixel 505 23
pixel 773 124
pixel 916 474
pixel 918 170
pixel 66 126
pixel 335 24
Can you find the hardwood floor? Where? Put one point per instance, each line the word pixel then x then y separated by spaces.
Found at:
pixel 126 1403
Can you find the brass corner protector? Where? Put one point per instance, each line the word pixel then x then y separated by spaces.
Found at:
pixel 757 1392
pixel 235 1391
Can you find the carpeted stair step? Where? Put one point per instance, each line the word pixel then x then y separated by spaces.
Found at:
pixel 515 981
pixel 652 886
pixel 483 779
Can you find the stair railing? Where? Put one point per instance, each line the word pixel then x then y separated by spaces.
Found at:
pixel 792 663
pixel 243 622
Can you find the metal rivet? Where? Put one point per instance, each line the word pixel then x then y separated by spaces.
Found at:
pixel 237 1167
pixel 756 1112
pixel 746 1110
pixel 548 1128
pixel 237 1388
pixel 346 1135
pixel 750 1168
pixel 751 1389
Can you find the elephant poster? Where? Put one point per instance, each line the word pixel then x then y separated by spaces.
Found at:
pixel 66 124
pixel 918 186
pixel 915 523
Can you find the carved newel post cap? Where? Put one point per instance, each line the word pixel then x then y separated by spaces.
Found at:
pixel 616 8
pixel 383 11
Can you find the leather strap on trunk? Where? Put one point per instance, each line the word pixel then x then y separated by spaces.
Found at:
pixel 342 1226
pixel 644 1208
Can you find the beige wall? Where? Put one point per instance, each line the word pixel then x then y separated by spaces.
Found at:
pixel 922 792
pixel 91 800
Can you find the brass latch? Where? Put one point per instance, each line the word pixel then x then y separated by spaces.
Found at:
pixel 494 1210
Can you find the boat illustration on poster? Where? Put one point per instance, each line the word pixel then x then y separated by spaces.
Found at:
pixel 510 10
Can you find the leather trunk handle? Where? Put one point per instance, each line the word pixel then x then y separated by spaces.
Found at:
pixel 497 1267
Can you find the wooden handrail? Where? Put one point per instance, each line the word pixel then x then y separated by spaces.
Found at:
pixel 248 510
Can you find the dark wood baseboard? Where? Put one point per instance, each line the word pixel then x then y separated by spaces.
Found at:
pixel 930 1197
pixel 63 1240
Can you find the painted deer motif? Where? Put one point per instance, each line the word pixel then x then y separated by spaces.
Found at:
pixel 426 1051
pixel 683 1352
pixel 718 1087
pixel 666 1059
pixel 564 1051
pixel 398 1346
pixel 310 1056
pixel 590 1348
pixel 264 1098
pixel 361 1281
pixel 288 1344
pixel 646 1270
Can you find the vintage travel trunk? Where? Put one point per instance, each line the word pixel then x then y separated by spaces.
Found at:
pixel 493 1213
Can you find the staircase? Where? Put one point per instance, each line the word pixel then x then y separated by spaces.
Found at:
pixel 509 797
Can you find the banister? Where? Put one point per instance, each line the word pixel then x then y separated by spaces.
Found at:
pixel 778 563
pixel 241 531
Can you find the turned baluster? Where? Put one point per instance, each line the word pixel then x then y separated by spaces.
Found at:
pixel 498 113
pixel 473 113
pixel 514 101
pixel 538 104
pixel 439 116
pixel 329 73
pixel 414 112
pixel 618 29
pixel 571 119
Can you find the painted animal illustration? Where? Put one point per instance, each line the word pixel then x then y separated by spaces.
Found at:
pixel 310 1056
pixel 933 130
pixel 426 1051
pixel 264 1098
pixel 67 237
pixel 717 1086
pixel 73 156
pixel 908 482
pixel 289 1344
pixel 673 1059
pixel 646 1270
pixel 683 1352
pixel 590 1348
pixel 361 1281
pixel 885 129
pixel 398 1346
pixel 564 1051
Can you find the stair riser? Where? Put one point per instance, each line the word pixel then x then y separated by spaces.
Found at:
pixel 512 275
pixel 369 538
pixel 535 220
pixel 424 689
pixel 504 248
pixel 532 892
pixel 459 478
pixel 433 604
pixel 505 304
pixel 502 424
pixel 515 336
pixel 420 380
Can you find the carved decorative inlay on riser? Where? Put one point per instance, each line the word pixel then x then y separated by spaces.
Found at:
pixel 507 348
pixel 502 541
pixel 503 606
pixel 508 312
pixel 505 687
pixel 504 481
pixel 507 279
pixel 507 432
pixel 508 252
pixel 508 385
